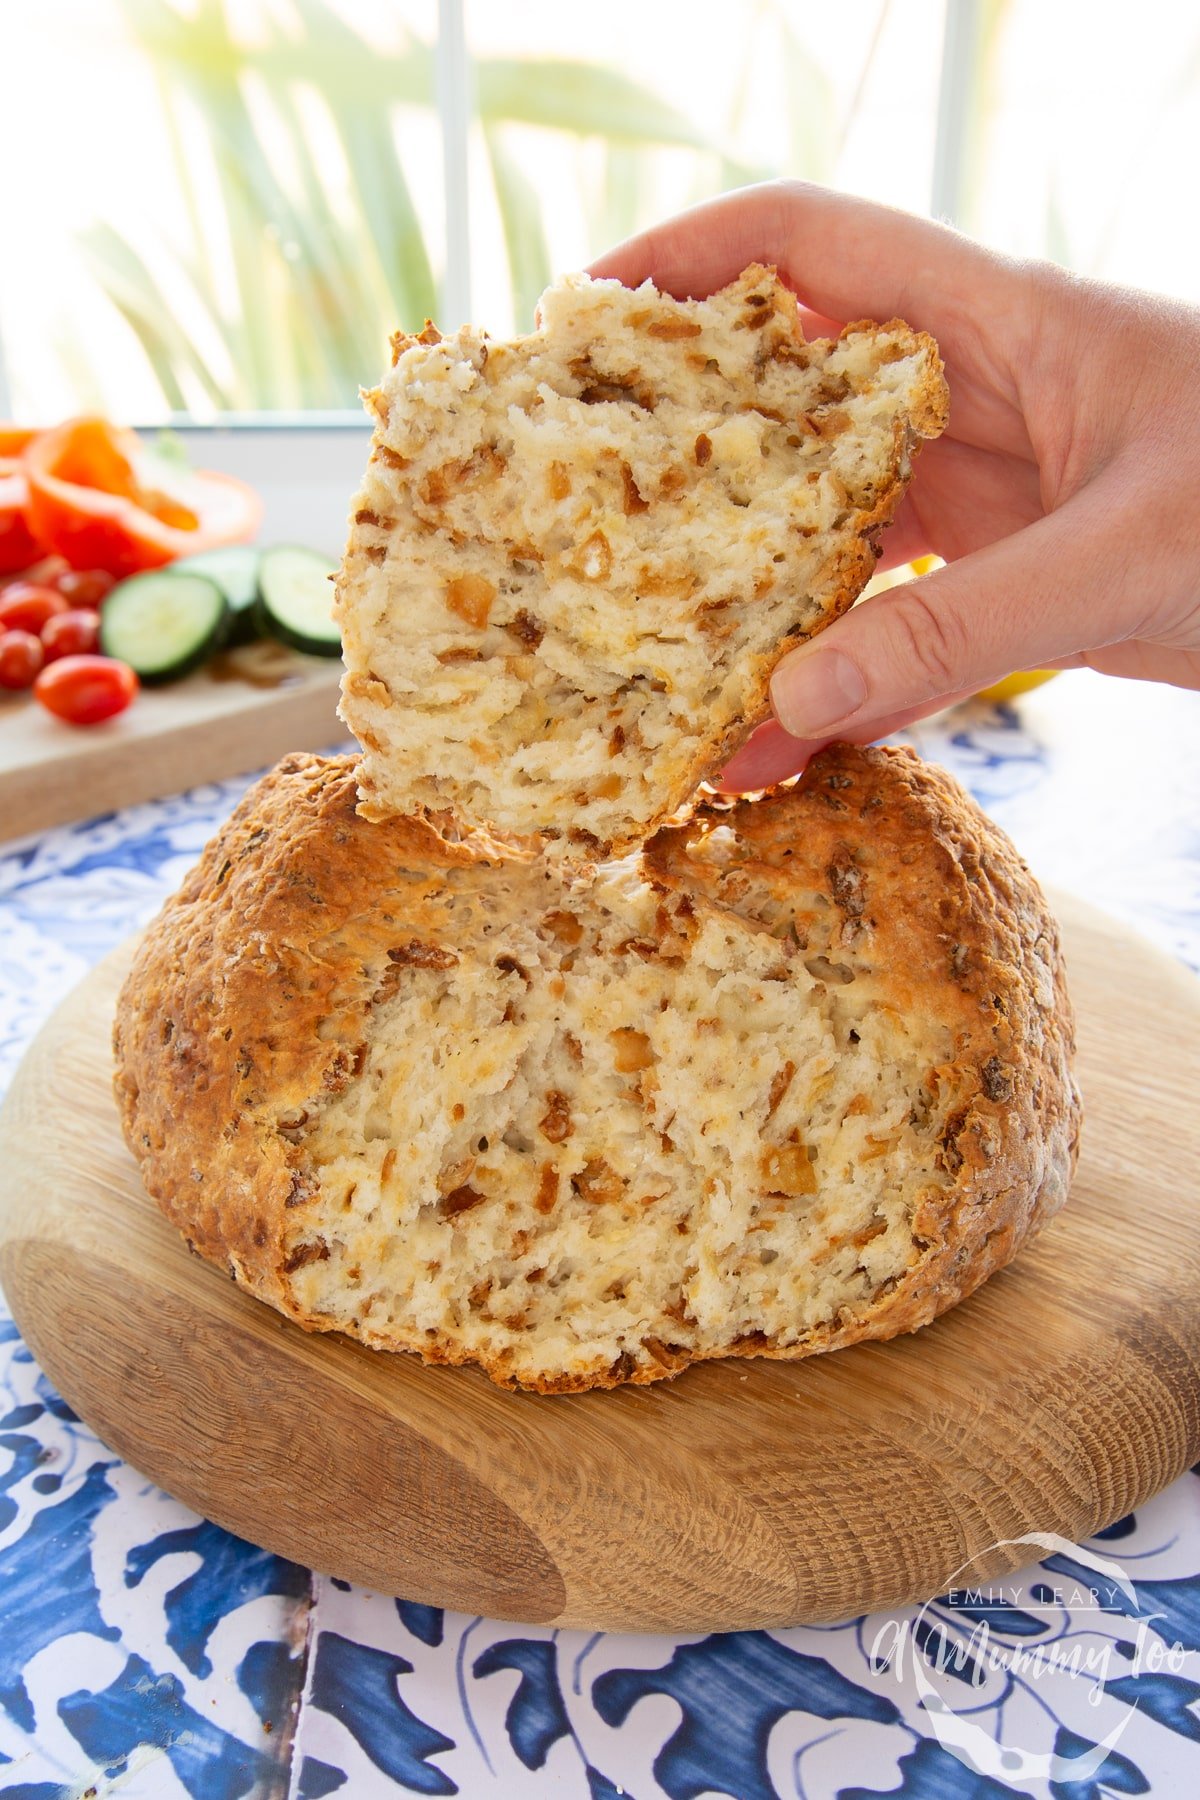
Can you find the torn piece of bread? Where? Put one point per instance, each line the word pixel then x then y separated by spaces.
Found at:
pixel 797 1077
pixel 576 558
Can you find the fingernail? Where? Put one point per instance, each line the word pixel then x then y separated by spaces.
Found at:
pixel 815 690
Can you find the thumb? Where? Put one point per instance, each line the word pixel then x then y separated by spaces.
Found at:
pixel 1026 601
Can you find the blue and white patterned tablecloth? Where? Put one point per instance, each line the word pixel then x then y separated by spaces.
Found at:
pixel 145 1653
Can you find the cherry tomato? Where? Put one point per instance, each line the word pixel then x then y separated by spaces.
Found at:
pixel 84 587
pixel 85 689
pixel 20 658
pixel 43 572
pixel 25 606
pixel 70 633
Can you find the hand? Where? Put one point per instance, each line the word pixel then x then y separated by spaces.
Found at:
pixel 1064 496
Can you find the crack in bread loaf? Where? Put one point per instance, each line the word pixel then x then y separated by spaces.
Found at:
pixel 576 558
pixel 796 1076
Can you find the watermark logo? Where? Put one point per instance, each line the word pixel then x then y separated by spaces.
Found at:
pixel 969 1650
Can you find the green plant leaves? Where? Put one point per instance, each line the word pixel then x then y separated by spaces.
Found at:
pixel 142 304
pixel 317 250
pixel 580 98
pixel 524 234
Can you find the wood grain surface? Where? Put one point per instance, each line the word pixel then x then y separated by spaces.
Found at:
pixel 742 1494
pixel 245 710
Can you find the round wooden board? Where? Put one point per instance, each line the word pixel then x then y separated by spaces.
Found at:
pixel 742 1494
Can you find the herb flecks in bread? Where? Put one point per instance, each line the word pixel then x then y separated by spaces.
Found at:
pixel 576 558
pixel 797 1076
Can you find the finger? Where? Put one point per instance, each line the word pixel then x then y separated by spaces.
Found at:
pixel 1143 662
pixel 844 256
pixel 961 500
pixel 1077 661
pixel 771 754
pixel 904 540
pixel 1064 584
pixel 818 325
pixel 848 258
pixel 966 498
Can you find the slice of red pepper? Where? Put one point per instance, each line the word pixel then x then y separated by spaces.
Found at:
pixel 97 499
pixel 18 546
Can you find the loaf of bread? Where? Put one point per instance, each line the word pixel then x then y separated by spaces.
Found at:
pixel 795 1076
pixel 575 558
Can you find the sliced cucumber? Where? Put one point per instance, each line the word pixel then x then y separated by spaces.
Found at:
pixel 165 623
pixel 295 599
pixel 234 568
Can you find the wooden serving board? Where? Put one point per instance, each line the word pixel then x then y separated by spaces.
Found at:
pixel 742 1494
pixel 245 710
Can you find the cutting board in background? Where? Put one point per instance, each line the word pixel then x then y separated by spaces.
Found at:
pixel 244 710
pixel 744 1493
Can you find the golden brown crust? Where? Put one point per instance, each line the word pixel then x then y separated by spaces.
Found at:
pixel 250 991
pixel 254 990
pixel 927 888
